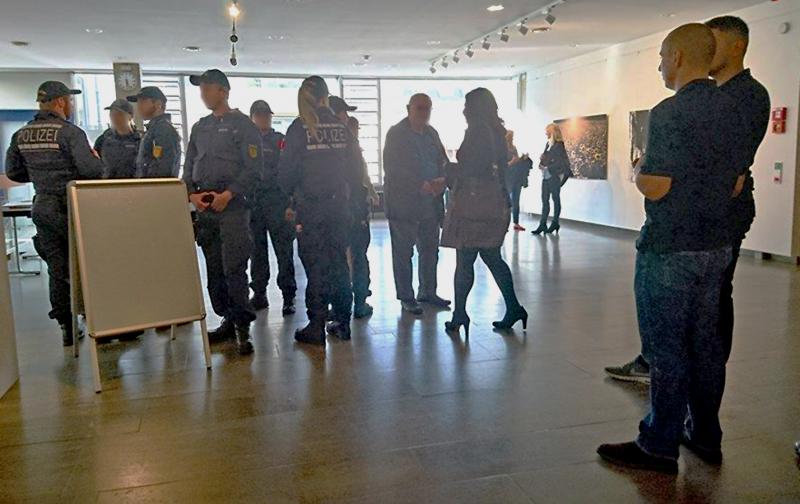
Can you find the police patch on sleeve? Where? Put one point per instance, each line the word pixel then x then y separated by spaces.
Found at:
pixel 252 150
pixel 157 151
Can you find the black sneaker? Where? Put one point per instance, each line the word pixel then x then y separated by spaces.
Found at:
pixel 224 332
pixel 243 344
pixel 66 335
pixel 362 310
pixel 630 455
pixel 797 449
pixel 312 334
pixel 711 456
pixel 636 371
pixel 411 307
pixel 288 307
pixel 340 330
pixel 434 301
pixel 259 302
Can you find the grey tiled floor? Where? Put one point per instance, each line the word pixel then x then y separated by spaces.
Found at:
pixel 403 413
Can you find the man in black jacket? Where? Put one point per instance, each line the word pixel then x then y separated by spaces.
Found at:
pixel 414 161
pixel 160 150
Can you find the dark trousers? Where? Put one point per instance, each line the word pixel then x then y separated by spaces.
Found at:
pixel 551 188
pixel 268 222
pixel 360 238
pixel 227 243
pixel 323 250
pixel 50 216
pixel 465 277
pixel 677 302
pixel 424 235
pixel 515 193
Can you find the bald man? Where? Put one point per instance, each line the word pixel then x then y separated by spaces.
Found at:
pixel 414 161
pixel 691 173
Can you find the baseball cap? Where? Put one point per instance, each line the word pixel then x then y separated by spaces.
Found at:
pixel 260 107
pixel 50 90
pixel 151 92
pixel 122 105
pixel 213 76
pixel 338 105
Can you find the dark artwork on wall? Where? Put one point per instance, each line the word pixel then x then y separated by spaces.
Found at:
pixel 586 140
pixel 638 127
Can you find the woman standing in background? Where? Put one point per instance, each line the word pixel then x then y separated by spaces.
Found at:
pixel 518 169
pixel 554 164
pixel 478 215
pixel 118 146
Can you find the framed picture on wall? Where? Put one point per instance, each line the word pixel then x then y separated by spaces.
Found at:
pixel 637 132
pixel 586 141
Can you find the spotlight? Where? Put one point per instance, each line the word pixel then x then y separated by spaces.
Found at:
pixel 549 17
pixel 233 10
pixel 504 35
pixel 456 57
pixel 433 68
pixel 445 63
pixel 486 44
pixel 469 52
pixel 523 27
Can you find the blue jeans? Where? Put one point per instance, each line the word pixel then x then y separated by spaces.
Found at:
pixel 677 301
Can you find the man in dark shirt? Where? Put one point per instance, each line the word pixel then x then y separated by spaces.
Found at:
pixel 51 152
pixel 268 219
pixel 693 163
pixel 118 146
pixel 752 100
pixel 414 161
pixel 160 150
pixel 223 166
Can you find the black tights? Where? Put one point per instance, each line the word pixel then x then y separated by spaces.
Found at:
pixel 465 277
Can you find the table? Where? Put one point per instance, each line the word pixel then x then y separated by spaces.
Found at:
pixel 14 210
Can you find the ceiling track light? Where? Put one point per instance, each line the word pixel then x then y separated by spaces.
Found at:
pixel 549 17
pixel 445 63
pixel 486 44
pixel 234 12
pixel 523 27
pixel 233 9
pixel 456 57
pixel 469 52
pixel 433 69
pixel 504 36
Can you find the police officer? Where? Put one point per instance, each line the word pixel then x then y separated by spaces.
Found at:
pixel 118 146
pixel 160 150
pixel 319 167
pixel 223 165
pixel 50 151
pixel 359 236
pixel 268 219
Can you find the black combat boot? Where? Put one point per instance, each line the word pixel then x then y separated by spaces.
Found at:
pixel 362 310
pixel 339 330
pixel 67 335
pixel 243 344
pixel 312 334
pixel 288 306
pixel 224 332
pixel 259 302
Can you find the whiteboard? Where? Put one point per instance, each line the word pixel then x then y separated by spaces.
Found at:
pixel 134 256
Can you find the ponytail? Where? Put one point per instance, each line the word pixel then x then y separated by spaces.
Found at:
pixel 311 92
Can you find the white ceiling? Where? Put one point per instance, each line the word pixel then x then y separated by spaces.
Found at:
pixel 323 36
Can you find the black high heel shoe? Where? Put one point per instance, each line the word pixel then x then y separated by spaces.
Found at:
pixel 511 318
pixel 554 228
pixel 455 325
pixel 541 229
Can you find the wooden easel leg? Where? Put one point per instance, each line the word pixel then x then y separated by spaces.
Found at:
pixel 172 332
pixel 206 344
pixel 98 387
pixel 75 339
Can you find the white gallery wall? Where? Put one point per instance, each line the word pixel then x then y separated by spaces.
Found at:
pixel 625 78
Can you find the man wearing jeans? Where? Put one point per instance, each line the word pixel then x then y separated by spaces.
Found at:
pixel 752 99
pixel 414 161
pixel 692 169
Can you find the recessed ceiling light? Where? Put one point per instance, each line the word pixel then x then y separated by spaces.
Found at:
pixel 20 43
pixel 277 37
pixel 191 48
pixel 433 42
pixel 94 31
pixel 495 8
pixel 541 29
pixel 671 15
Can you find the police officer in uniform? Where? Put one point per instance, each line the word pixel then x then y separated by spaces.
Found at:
pixel 268 219
pixel 160 150
pixel 359 235
pixel 50 151
pixel 319 167
pixel 118 146
pixel 223 165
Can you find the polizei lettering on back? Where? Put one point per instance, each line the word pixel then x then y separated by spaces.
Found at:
pixel 329 136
